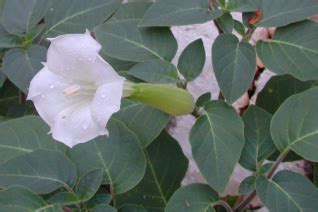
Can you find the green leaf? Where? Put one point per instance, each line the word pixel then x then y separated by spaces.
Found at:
pixel 119 156
pixel 283 12
pixel 89 184
pixel 125 41
pixel 99 199
pixel 51 208
pixel 192 60
pixel 226 22
pixel 9 95
pixel 20 15
pixel 175 12
pixel 7 40
pixel 20 197
pixel 42 171
pixel 292 53
pixel 194 197
pixel 294 125
pixel 120 66
pixel 25 135
pixel 258 142
pixel 241 5
pixel 234 65
pixel 74 16
pixel 132 208
pixel 155 71
pixel 64 198
pixel 278 89
pixel 2 78
pixel 287 191
pixel 217 139
pixel 247 185
pixel 166 167
pixel 131 10
pixel 21 65
pixel 103 208
pixel 239 27
pixel 138 118
pixel 203 99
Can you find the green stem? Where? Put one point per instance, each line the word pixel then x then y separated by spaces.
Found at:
pixel 241 206
pixel 224 204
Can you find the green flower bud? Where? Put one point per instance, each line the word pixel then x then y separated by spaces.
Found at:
pixel 170 99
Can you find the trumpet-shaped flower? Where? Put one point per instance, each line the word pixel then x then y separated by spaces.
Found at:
pixel 76 92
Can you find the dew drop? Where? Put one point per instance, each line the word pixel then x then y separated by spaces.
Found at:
pixel 43 96
pixel 51 9
pixel 144 196
pixel 52 86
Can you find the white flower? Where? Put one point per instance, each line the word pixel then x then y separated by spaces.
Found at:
pixel 77 91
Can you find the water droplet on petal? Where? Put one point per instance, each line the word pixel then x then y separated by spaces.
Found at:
pixel 103 96
pixel 43 96
pixel 52 86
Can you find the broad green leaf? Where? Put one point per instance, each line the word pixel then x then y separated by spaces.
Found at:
pixel 283 12
pixel 203 99
pixel 25 135
pixel 194 197
pixel 131 10
pixel 20 197
pixel 294 125
pixel 132 208
pixel 119 155
pixel 20 15
pixel 88 184
pixel 9 95
pixel 241 5
pixel 258 142
pixel 292 53
pixel 7 40
pixel 155 71
pixel 21 65
pixel 287 191
pixel 42 171
pixel 234 65
pixel 175 12
pixel 278 89
pixel 192 60
pixel 226 22
pixel 166 167
pixel 217 140
pixel 247 185
pixel 51 208
pixel 99 199
pixel 64 198
pixel 125 41
pixel 74 16
pixel 140 118
pixel 103 208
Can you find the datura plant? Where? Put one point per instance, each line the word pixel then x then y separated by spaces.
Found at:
pixel 89 96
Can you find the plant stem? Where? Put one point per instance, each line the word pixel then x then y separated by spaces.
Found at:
pixel 251 196
pixel 224 204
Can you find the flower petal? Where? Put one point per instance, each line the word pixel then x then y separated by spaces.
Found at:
pixel 71 55
pixel 103 72
pixel 77 127
pixel 46 92
pixel 107 101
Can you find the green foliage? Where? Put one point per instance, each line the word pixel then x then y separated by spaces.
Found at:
pixel 292 53
pixel 139 167
pixel 258 142
pixel 216 149
pixel 166 167
pixel 192 60
pixel 175 12
pixel 293 192
pixel 234 64
pixel 185 200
